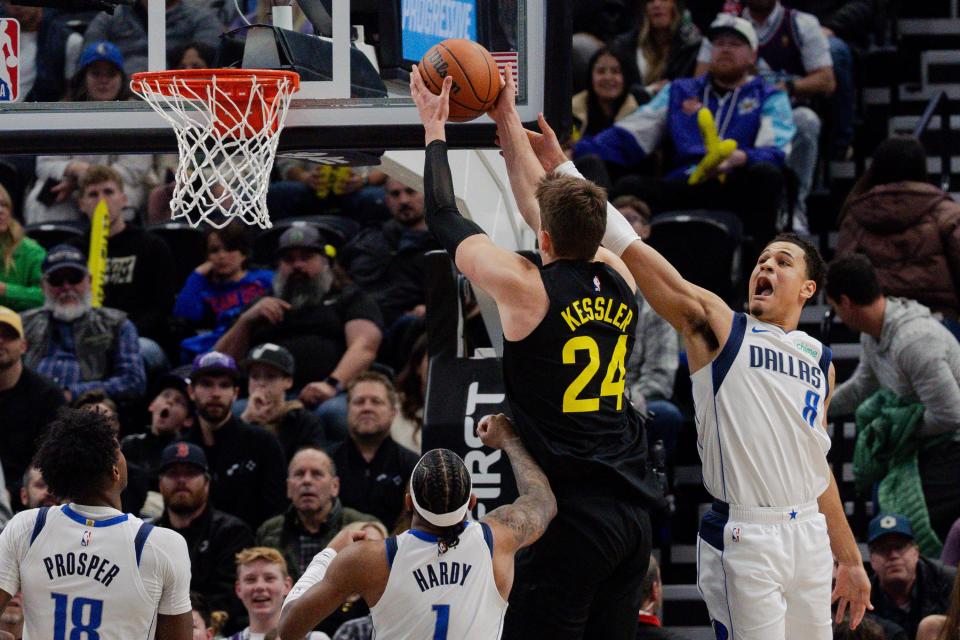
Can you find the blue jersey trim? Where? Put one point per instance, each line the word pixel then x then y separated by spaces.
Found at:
pixel 142 534
pixel 722 363
pixel 825 359
pixel 423 535
pixel 487 536
pixel 81 519
pixel 391 544
pixel 39 524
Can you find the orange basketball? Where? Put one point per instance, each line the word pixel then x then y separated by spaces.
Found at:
pixel 476 79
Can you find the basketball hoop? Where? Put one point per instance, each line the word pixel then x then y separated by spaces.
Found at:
pixel 227 123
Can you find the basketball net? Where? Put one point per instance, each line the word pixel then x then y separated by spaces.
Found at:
pixel 227 123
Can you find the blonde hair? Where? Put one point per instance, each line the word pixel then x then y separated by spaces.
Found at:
pixel 656 58
pixel 9 239
pixel 267 554
pixel 364 524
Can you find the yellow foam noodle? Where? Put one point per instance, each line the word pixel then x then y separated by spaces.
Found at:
pixel 717 150
pixel 97 262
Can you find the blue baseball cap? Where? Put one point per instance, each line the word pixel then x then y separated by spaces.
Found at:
pixel 97 51
pixel 887 523
pixel 183 452
pixel 64 256
pixel 214 363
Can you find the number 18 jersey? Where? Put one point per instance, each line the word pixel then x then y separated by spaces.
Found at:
pixel 93 573
pixel 759 414
pixel 565 383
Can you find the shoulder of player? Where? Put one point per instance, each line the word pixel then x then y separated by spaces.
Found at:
pixel 363 563
pixel 167 543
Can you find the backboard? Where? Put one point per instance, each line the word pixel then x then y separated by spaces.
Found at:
pixel 354 104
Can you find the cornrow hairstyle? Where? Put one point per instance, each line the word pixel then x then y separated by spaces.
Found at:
pixel 441 484
pixel 77 456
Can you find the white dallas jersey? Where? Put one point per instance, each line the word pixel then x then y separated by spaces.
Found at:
pixel 759 408
pixel 433 595
pixel 93 572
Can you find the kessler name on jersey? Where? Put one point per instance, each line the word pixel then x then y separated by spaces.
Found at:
pixel 452 573
pixel 786 364
pixel 81 564
pixel 600 308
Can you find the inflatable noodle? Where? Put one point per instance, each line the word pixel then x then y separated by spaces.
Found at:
pixel 97 263
pixel 717 150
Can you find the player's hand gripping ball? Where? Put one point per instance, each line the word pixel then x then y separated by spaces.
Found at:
pixel 476 78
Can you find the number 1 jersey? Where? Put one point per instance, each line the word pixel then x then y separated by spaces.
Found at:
pixel 93 573
pixel 565 383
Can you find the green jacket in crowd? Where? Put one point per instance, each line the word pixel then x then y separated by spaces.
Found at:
pixel 23 276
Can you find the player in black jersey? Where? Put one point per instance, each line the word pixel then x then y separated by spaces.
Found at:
pixel 569 329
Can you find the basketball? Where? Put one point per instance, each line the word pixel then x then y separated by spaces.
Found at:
pixel 476 79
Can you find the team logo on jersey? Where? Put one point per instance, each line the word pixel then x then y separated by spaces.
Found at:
pixel 736 534
pixel 747 105
pixel 85 538
pixel 9 60
pixel 596 283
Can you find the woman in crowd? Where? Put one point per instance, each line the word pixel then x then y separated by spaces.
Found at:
pixel 663 47
pixel 937 627
pixel 606 99
pixel 908 228
pixel 20 260
pixel 219 289
pixel 412 385
pixel 99 77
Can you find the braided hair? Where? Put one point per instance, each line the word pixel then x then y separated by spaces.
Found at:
pixel 441 484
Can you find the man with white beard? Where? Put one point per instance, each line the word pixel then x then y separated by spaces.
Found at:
pixel 332 331
pixel 80 347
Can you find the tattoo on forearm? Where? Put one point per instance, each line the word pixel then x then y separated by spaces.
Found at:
pixel 528 516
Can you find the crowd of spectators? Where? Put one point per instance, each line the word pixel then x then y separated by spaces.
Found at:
pixel 270 399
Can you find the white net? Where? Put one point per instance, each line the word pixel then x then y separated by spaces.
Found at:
pixel 226 138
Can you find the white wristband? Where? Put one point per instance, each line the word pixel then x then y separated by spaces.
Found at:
pixel 314 574
pixel 619 234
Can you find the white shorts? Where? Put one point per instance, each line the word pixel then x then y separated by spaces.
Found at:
pixel 766 573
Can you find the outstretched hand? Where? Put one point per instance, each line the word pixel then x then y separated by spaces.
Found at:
pixel 506 104
pixel 546 145
pixel 852 589
pixel 434 109
pixel 495 430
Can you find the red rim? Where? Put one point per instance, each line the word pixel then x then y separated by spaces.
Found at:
pixel 227 79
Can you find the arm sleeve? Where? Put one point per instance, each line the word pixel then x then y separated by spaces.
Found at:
pixel 446 223
pixel 934 384
pixel 634 137
pixel 315 572
pixel 173 566
pixel 777 129
pixel 815 49
pixel 848 396
pixel 189 304
pixel 129 378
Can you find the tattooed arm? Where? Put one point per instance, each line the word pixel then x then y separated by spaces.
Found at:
pixel 522 522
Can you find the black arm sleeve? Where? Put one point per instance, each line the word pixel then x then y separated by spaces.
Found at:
pixel 443 218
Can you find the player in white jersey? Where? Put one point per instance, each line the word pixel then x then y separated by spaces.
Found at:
pixel 85 569
pixel 760 390
pixel 446 577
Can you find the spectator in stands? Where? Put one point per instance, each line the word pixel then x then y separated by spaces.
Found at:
pixel 34 491
pixel 28 402
pixel 333 330
pixel 607 98
pixel 951 546
pixel 219 289
pixel 661 47
pixel 908 228
pixel 868 629
pixel 171 414
pixel 43 39
pixel 412 386
pixel 20 260
pixel 908 352
pixel 794 55
pixel 126 27
pixel 11 619
pixel 636 212
pixel 262 584
pixel 649 621
pixel 99 402
pixel 315 513
pixel 943 627
pixel 374 470
pixel 757 116
pixel 270 376
pixel 78 346
pixel 906 587
pixel 847 25
pixel 202 617
pixel 213 537
pixel 54 196
pixel 308 188
pixel 247 462
pixel 595 25
pixel 137 279
pixel 196 55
